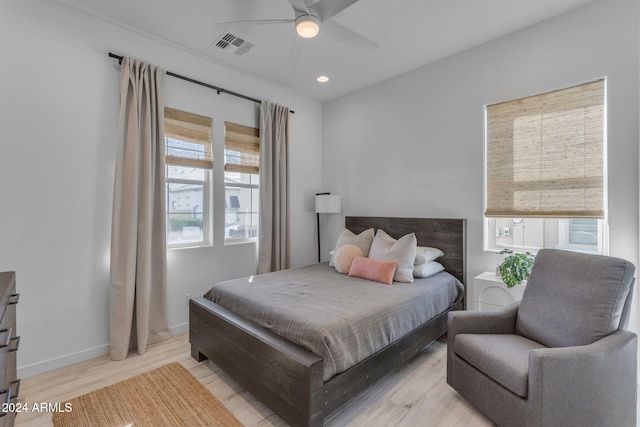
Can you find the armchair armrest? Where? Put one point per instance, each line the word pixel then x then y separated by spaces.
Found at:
pixel 483 322
pixel 593 384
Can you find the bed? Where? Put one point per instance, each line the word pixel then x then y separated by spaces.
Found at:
pixel 294 381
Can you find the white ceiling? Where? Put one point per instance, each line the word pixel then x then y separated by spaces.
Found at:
pixel 410 33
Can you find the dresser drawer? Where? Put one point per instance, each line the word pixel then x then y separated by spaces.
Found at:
pixel 9 342
pixel 8 400
pixel 8 322
pixel 7 289
pixel 10 368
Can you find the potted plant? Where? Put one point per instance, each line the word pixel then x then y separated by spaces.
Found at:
pixel 516 268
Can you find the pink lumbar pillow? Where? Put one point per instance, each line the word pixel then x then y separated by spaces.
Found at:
pixel 344 256
pixel 373 269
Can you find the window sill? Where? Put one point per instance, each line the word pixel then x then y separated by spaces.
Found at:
pixel 188 246
pixel 240 242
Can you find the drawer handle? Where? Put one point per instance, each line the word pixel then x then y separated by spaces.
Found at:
pixel 8 337
pixel 15 383
pixel 14 299
pixel 17 341
pixel 7 400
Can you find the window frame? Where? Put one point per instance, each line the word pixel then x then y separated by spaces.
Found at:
pixel 562 235
pixel 206 211
pixel 255 138
pixel 232 241
pixel 564 238
pixel 190 128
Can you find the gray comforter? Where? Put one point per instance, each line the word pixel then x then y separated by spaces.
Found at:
pixel 343 319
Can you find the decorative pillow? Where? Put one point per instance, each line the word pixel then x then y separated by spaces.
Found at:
pixel 427 269
pixel 373 269
pixel 344 257
pixel 402 251
pixel 425 254
pixel 362 240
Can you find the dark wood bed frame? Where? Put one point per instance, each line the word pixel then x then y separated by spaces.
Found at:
pixel 288 378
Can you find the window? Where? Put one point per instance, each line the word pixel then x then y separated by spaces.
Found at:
pixel 583 232
pixel 531 234
pixel 241 182
pixel 545 171
pixel 188 170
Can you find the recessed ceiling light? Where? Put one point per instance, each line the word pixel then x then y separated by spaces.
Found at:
pixel 322 79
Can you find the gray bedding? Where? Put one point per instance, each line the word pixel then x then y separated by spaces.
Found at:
pixel 343 319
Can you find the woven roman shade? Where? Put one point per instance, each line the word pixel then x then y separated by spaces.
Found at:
pixel 545 155
pixel 187 139
pixel 242 148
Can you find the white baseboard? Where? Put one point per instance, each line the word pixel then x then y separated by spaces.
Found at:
pixel 62 361
pixel 179 329
pixel 77 357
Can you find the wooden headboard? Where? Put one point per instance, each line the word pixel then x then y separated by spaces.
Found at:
pixel 448 235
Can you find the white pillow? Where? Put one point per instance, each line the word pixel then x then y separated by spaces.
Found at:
pixel 362 240
pixel 427 269
pixel 344 257
pixel 426 254
pixel 402 251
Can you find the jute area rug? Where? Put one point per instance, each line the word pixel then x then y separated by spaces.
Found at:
pixel 167 396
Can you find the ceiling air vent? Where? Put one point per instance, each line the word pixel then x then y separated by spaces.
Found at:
pixel 233 44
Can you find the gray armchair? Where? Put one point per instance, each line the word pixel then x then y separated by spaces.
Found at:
pixel 561 356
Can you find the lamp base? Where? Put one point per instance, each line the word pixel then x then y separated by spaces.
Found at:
pixel 318 223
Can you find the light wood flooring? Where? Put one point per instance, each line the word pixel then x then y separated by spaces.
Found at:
pixel 415 395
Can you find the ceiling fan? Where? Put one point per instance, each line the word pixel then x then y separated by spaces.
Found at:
pixel 313 17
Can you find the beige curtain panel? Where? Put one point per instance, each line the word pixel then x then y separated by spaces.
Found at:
pixel 273 245
pixel 138 309
pixel 545 155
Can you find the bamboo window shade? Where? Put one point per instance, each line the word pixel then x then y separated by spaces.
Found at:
pixel 242 148
pixel 545 155
pixel 187 139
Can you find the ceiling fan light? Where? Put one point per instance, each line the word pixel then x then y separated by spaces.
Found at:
pixel 307 26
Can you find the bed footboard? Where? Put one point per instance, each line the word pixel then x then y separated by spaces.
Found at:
pixel 285 377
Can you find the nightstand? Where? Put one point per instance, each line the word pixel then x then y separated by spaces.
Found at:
pixel 490 292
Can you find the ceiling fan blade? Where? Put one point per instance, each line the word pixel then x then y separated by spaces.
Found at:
pixel 258 21
pixel 296 51
pixel 300 6
pixel 341 33
pixel 327 8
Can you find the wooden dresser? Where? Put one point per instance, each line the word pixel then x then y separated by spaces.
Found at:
pixel 9 341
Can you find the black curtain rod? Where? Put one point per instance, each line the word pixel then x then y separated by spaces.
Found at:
pixel 217 89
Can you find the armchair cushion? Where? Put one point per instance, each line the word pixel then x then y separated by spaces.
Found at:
pixel 573 299
pixel 502 357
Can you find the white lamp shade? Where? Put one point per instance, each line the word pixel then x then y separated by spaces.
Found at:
pixel 328 203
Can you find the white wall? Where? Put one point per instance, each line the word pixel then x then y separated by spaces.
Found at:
pixel 59 114
pixel 413 145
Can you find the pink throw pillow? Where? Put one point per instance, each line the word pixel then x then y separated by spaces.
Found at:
pixel 373 269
